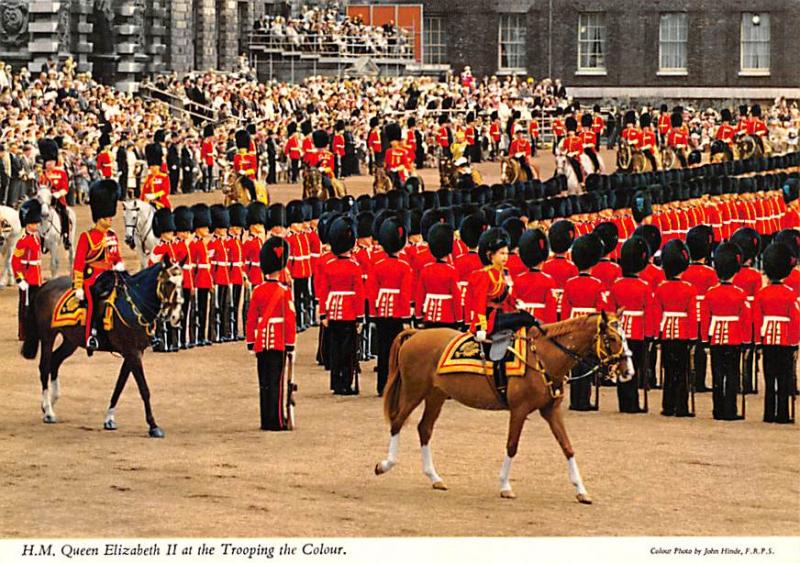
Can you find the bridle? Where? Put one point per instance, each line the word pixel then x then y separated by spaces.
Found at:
pixel 130 228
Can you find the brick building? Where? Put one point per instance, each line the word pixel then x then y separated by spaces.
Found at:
pixel 624 48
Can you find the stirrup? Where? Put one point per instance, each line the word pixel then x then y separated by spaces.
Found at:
pixel 92 344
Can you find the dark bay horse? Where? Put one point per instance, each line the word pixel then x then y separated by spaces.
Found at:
pixel 553 351
pixel 150 294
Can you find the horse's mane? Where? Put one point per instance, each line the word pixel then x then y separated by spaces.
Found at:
pixel 562 327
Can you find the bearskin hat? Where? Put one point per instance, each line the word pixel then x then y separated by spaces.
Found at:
pixel 663 108
pixel 779 261
pixel 242 138
pixel 276 216
pixel 392 235
pixel 645 120
pixel 472 227
pixel 725 115
pixel 321 139
pixel 571 124
pixel 790 190
pixel 561 235
pixel 103 196
pixel 160 136
pixel 651 235
pixel 675 258
pixel 374 121
pixel 440 240
pixel 104 140
pixel 587 251
pixel 699 240
pixel 429 219
pixel 324 225
pixel 629 118
pixel 342 234
pixel 256 214
pixel 676 119
pixel 755 111
pixel 490 242
pixel 305 127
pixel 339 125
pixel 749 241
pixel 364 222
pixel 153 154
pixel 48 150
pixel 514 227
pixel 533 247
pixel 201 216
pixel 208 130
pixel 586 120
pixel 30 212
pixel 220 218
pixel 412 122
pixel 238 215
pixel 393 132
pixel 294 211
pixel 634 256
pixel 274 255
pixel 415 222
pixel 163 222
pixel 791 238
pixel 727 260
pixel 183 219
pixel 291 129
pixel 641 206
pixel 609 234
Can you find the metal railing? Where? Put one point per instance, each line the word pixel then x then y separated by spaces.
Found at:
pixel 399 47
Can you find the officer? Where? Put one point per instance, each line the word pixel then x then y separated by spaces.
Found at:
pixel 55 178
pixel 26 262
pixel 156 187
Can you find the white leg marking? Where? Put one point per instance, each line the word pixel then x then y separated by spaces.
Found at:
pixel 427 465
pixel 110 422
pixel 47 407
pixel 505 474
pixel 391 458
pixel 55 390
pixel 575 476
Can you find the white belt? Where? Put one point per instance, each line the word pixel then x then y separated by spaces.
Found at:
pixel 633 313
pixel 31 262
pixel 576 311
pixel 701 297
pixel 671 315
pixel 275 320
pixel 204 266
pixel 772 319
pixel 187 266
pixel 385 291
pixel 434 297
pixel 236 264
pixel 715 320
pixel 526 306
pixel 253 264
pixel 340 293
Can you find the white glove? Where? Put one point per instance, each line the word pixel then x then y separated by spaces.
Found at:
pixel 150 197
pixel 23 285
pixel 119 267
pixel 79 295
pixel 480 336
pixel 59 194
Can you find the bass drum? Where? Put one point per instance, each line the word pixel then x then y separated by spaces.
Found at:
pixel 624 155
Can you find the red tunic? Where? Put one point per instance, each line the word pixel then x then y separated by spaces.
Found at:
pixel 438 297
pixel 633 135
pixel 251 255
pixel 583 295
pixel 572 146
pixel 198 251
pixel 677 138
pixel 309 151
pixel 389 288
pixel 488 291
pixel 271 318
pixel 341 290
pixel 560 269
pixel 97 252
pixel 299 263
pixel 218 256
pixel 653 275
pixel 725 316
pixel 776 316
pixel 245 163
pixel 495 131
pixel 26 262
pixel 292 148
pixel 664 123
pixel 183 256
pixel 57 181
pixel 515 266
pixel 534 292
pixel 160 250
pixel 588 139
pixel 598 124
pixel 607 272
pixel 374 141
pixel 233 246
pixel 675 310
pixel 397 161
pixel 105 164
pixel 338 145
pixel 520 146
pixel 156 185
pixel 443 137
pixel 635 297
pixel 207 152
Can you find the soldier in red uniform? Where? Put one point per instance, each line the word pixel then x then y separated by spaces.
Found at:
pixel 558 129
pixel 664 124
pixel 374 144
pixel 323 160
pixel 97 252
pixel 105 162
pixel 438 297
pixel 514 227
pixel 26 261
pixel 725 323
pixel 558 266
pixel 220 272
pixel 165 338
pixel 675 306
pixel 470 231
pixel 341 297
pixel 653 275
pixel 235 250
pixel 520 150
pixel 495 134
pixel 208 153
pixel 294 151
pixel 444 136
pixel 589 139
pixel 700 240
pixel 607 271
pixel 365 253
pixel 678 138
pixel 791 238
pixel 389 289
pixel 635 297
pixel 182 216
pixel 299 263
pixel 337 148
pixel 749 280
pixel 397 162
pixel 199 253
pixel 271 336
pixel 55 178
pixel 647 140
pixel 572 147
pixel 598 123
pixel 726 133
pixel 245 162
pixel 631 133
pixel 156 187
pixel 251 249
pixel 583 295
pixel 533 289
pixel 307 143
pixel 533 130
pixel 756 127
pixel 776 316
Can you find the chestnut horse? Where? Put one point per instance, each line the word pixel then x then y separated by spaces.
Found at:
pixel 553 351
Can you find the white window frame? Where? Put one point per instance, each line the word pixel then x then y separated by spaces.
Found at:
pixel 675 36
pixel 429 47
pixel 765 23
pixel 521 24
pixel 592 70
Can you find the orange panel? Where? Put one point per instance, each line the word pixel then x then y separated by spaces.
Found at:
pixel 359 10
pixel 383 14
pixel 410 17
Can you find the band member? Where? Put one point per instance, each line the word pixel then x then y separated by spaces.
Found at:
pixel 749 280
pixel 776 316
pixel 496 134
pixel 631 133
pixel 105 162
pixel 533 288
pixel 235 251
pixel 220 271
pixel 726 132
pixel 389 288
pixel 55 178
pixel 245 162
pixel 444 136
pixel 521 151
pixel 208 153
pixel 271 336
pixel 647 140
pixel 606 270
pixel 299 263
pixel 341 303
pixel 561 236
pixel 374 145
pixel 664 124
pixel 572 147
pixel 635 297
pixel 438 297
pixel 598 124
pixel 756 127
pixel 699 241
pixel 678 138
pixel 294 151
pixel 589 139
pixel 183 236
pixel 675 308
pixel 97 251
pixel 165 338
pixel 337 148
pixel 26 261
pixel 203 282
pixel 583 295
pixel 397 162
pixel 156 187
pixel 558 129
pixel 725 323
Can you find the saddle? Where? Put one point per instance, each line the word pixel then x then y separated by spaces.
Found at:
pixel 465 355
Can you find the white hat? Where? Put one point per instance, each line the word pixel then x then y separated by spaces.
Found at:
pixel 461 162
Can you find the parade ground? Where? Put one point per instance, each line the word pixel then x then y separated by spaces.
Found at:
pixel 216 474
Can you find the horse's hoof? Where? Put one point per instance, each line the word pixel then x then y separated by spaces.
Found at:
pixel 508 494
pixel 49 419
pixel 439 486
pixel 584 499
pixel 109 425
pixel 378 469
pixel 156 432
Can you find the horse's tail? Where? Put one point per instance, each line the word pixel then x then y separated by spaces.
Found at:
pixel 30 345
pixel 391 394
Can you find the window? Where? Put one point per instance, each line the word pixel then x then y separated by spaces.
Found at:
pixel 435 41
pixel 672 40
pixel 755 43
pixel 512 42
pixel 592 42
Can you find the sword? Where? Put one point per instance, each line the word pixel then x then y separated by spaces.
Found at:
pixel 692 379
pixel 291 387
pixel 794 383
pixel 646 361
pixel 742 375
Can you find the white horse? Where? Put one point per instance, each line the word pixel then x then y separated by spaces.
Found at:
pixel 589 167
pixel 564 168
pixel 51 231
pixel 10 233
pixel 139 234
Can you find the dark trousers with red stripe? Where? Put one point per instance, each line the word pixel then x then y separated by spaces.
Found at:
pixel 675 358
pixel 342 355
pixel 726 374
pixel 387 329
pixel 628 392
pixel 26 300
pixel 272 389
pixel 779 370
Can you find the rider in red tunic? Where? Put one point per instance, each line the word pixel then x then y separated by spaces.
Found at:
pixel 56 180
pixel 105 162
pixel 156 188
pixel 26 261
pixel 97 252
